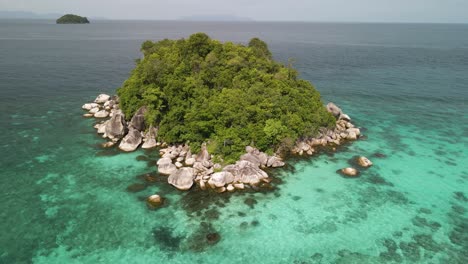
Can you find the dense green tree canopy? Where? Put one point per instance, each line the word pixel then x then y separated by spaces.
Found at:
pixel 230 95
pixel 72 19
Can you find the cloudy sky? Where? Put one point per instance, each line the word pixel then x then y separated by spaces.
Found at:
pixel 278 10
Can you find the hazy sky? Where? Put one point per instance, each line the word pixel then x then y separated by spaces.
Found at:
pixel 293 10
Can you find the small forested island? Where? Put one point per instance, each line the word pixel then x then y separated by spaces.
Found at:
pixel 219 112
pixel 72 19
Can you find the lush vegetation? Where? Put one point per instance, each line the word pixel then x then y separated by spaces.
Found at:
pixel 72 19
pixel 230 95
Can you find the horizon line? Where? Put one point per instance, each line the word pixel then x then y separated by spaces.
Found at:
pixel 253 21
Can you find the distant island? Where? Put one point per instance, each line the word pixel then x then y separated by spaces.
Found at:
pixel 72 19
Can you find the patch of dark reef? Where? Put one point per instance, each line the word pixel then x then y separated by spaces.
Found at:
pixel 376 179
pixel 136 187
pixel 205 236
pixel 166 239
pixel 379 155
pixel 424 223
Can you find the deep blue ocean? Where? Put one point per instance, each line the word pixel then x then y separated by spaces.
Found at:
pixel 64 199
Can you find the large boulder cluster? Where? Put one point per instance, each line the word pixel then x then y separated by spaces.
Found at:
pixel 186 169
pixel 343 131
pixel 112 125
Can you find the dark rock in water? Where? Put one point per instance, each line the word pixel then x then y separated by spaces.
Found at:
pixel 241 214
pixel 410 251
pixel 379 155
pixel 213 238
pixel 427 242
pixel 136 187
pixel 142 158
pixel 255 223
pixel 244 225
pixel 166 239
pixel 212 214
pixel 296 198
pixel 460 196
pixel 251 202
pixel 150 178
pixel 425 211
pixel 317 258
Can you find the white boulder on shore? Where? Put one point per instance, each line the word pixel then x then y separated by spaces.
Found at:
pixel 182 178
pixel 246 172
pixel 102 98
pixel 90 106
pixel 165 166
pixel 149 138
pixel 131 141
pixel 101 114
pixel 219 179
pixel 115 127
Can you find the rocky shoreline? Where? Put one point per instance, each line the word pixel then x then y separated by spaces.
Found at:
pixel 184 168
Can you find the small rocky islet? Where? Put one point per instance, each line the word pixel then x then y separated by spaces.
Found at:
pixel 185 169
pixel 221 113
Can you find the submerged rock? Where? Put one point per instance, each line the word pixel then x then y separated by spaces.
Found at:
pixel 350 172
pixel 182 178
pixel 154 201
pixel 131 141
pixel 364 162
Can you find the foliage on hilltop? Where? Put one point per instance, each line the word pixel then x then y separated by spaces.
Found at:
pixel 230 95
pixel 72 19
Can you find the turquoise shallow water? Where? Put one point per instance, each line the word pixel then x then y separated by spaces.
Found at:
pixel 66 200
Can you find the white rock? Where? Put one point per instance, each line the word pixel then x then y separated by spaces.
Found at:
pixel 350 172
pixel 239 186
pixel 178 164
pixel 230 188
pixel 89 106
pixel 182 179
pixel 101 114
pixel 219 179
pixel 102 98
pixel 94 110
pixel 189 161
pixel 364 162
pixel 165 166
pixel 131 141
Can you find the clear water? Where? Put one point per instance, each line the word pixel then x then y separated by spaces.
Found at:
pixel 65 200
